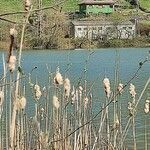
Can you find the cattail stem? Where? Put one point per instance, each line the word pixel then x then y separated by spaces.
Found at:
pixel 146 144
pixel 134 134
pixel 17 84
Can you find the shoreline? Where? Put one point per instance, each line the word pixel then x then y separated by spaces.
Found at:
pixel 114 43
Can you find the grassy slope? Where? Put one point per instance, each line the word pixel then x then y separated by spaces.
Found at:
pixel 69 5
pixel 15 5
pixel 145 3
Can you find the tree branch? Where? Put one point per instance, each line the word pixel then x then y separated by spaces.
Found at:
pixel 7 20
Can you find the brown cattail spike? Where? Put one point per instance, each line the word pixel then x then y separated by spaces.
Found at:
pixel 27 5
pixel 147 106
pixel 106 84
pixel 58 79
pixel 13 34
pixel 67 87
pixel 12 63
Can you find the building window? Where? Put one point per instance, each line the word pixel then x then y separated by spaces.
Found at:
pixel 108 28
pixel 99 28
pixel 130 28
pixel 124 28
pixel 79 29
pixel 94 28
pixel 85 28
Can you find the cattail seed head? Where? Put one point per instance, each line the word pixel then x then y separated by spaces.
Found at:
pixel 17 104
pixel 129 105
pixel 67 87
pixel 42 109
pixel 12 63
pixel 37 92
pixel 13 32
pixel 131 108
pixel 80 90
pixel 36 87
pixel 44 92
pixel 56 103
pixel 132 90
pixel 27 5
pixel 43 138
pixel 147 106
pixel 22 102
pixel 1 97
pixel 58 79
pixel 120 88
pixel 106 84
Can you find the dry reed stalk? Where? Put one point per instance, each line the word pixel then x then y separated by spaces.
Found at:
pixel 17 83
pixel 146 143
pixel 2 104
pixel 74 103
pixel 129 120
pixel 115 104
pixel 134 134
pixel 103 115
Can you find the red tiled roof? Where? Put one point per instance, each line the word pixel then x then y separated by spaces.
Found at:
pixel 96 2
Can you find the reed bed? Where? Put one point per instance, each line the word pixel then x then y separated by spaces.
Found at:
pixel 64 116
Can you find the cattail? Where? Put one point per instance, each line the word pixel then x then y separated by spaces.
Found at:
pixel 106 83
pixel 43 138
pixel 17 104
pixel 58 79
pixel 132 90
pixel 42 109
pixel 67 87
pixel 37 92
pixel 147 106
pixel 1 97
pixel 120 88
pixel 42 113
pixel 80 90
pixel 13 32
pixel 130 108
pixel 22 102
pixel 44 92
pixel 12 63
pixel 27 5
pixel 73 95
pixel 56 103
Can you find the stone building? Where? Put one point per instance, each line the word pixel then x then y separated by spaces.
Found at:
pixel 103 29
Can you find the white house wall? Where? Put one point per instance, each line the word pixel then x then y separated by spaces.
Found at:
pixel 127 31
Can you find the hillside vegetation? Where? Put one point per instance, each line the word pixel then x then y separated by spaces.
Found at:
pixel 15 5
pixel 54 31
pixel 68 5
pixel 145 3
